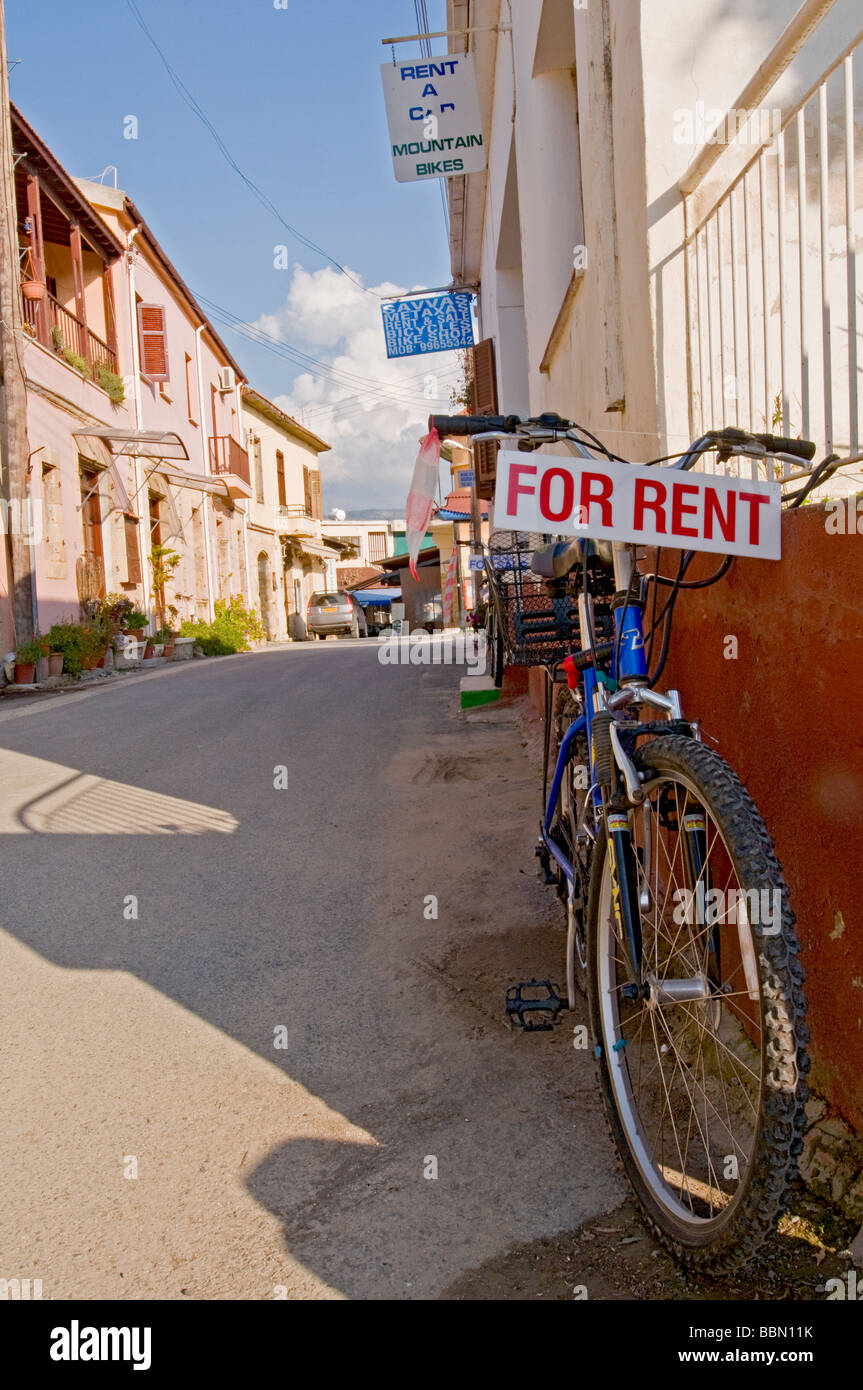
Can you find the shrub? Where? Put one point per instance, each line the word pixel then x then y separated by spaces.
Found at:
pixel 114 610
pixel 78 362
pixel 112 384
pixel 71 640
pixel 57 338
pixel 233 629
pixel 135 620
pixel 30 652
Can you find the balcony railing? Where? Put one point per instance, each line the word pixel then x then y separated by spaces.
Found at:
pixel 295 509
pixel 776 338
pixel 64 330
pixel 227 456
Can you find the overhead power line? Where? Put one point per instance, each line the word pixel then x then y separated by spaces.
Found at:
pixel 365 386
pixel 262 197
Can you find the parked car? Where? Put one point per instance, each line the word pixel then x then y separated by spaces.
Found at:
pixel 335 614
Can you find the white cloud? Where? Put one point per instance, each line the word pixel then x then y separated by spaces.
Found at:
pixel 374 437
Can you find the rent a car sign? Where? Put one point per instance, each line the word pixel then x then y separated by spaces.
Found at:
pixel 633 502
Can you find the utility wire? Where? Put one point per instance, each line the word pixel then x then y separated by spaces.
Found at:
pixel 301 359
pixel 423 27
pixel 262 197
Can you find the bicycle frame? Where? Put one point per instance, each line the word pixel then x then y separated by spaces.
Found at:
pixel 626 686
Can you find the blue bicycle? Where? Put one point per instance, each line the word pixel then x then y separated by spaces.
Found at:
pixel 679 927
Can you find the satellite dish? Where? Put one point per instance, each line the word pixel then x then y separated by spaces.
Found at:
pixel 338 515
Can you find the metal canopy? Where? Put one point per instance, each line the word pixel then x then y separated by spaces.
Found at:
pixel 153 444
pixel 164 450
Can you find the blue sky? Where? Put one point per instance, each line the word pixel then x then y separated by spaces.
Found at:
pixel 296 96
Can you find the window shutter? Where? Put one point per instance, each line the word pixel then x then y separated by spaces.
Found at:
pixel 307 490
pixel 153 342
pixel 280 478
pixel 133 553
pixel 485 403
pixel 317 498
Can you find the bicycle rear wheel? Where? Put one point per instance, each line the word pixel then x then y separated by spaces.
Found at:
pixel 703 1074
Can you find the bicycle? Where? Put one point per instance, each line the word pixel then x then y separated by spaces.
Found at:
pixel 679 925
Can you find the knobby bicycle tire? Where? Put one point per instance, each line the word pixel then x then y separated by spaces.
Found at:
pixel 714 1242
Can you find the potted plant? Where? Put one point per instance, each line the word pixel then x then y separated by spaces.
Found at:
pixel 55 663
pixel 165 637
pixel 163 562
pixel 134 623
pixel 68 641
pixel 26 656
pixel 114 610
pixel 31 286
pixel 97 640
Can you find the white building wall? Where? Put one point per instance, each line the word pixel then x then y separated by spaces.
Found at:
pixel 610 347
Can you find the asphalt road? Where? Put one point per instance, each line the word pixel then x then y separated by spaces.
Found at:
pixel 170 918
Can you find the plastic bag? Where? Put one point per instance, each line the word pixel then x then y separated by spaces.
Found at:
pixel 421 496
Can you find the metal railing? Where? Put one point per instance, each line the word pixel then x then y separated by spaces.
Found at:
pixel 773 293
pixel 227 456
pixel 63 329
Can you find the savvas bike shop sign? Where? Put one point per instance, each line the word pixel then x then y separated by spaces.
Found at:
pixel 434 119
pixel 436 323
pixel 634 503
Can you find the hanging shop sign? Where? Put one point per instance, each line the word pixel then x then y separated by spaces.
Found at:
pixel 434 118
pixel 438 323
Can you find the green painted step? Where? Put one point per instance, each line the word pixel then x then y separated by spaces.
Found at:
pixel 477 690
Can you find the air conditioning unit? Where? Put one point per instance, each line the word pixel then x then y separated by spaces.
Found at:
pixel 227 379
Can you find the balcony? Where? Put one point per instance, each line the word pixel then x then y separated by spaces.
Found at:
pixel 229 459
pixel 296 519
pixel 58 328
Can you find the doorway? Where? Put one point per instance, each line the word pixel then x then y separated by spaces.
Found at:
pixel 91 583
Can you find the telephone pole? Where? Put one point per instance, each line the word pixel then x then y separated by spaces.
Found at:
pixel 15 462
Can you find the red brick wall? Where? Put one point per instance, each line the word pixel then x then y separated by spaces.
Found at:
pixel 788 714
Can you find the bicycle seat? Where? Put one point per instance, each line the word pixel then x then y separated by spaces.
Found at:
pixel 558 558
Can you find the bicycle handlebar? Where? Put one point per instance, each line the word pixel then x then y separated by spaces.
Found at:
pixel 773 443
pixel 487 424
pixel 471 424
pixel 730 438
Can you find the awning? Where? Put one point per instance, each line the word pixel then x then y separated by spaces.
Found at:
pixel 93 446
pixel 178 477
pixel 316 550
pixel 163 451
pixel 376 598
pixel 152 444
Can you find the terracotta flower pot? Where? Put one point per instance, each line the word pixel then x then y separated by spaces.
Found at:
pixel 33 289
pixel 150 651
pixel 168 651
pixel 55 664
pixel 136 633
pixel 25 672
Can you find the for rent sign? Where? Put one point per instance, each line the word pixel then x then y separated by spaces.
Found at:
pixel 630 502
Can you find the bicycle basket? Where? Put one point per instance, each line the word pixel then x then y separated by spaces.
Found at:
pixel 537 629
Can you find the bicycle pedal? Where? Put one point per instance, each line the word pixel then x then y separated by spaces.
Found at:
pixel 536 1013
